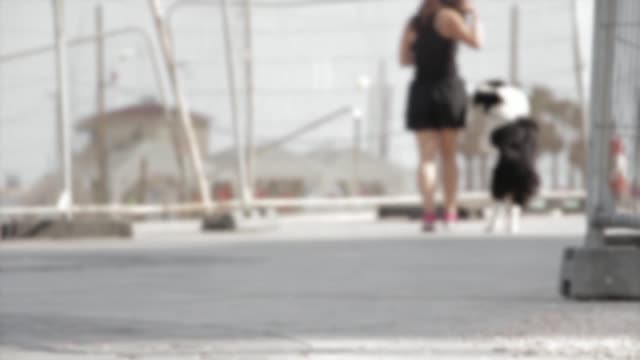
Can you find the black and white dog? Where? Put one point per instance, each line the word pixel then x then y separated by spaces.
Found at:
pixel 505 121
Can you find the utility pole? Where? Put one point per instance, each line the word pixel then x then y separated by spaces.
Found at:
pixel 102 152
pixel 250 111
pixel 64 114
pixel 515 43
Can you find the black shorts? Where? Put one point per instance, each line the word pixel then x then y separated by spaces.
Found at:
pixel 436 105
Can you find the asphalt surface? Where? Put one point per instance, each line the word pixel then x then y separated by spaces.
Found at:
pixel 308 290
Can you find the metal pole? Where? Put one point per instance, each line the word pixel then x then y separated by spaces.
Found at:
pixel 64 113
pixel 157 69
pixel 515 38
pixel 477 199
pixel 237 126
pixel 579 68
pixel 248 58
pixel 369 123
pixel 181 101
pixel 600 118
pixel 174 129
pixel 385 111
pixel 635 188
pixel 577 54
pixel 168 115
pixel 357 135
pixel 102 152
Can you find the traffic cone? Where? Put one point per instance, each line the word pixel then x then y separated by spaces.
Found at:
pixel 618 178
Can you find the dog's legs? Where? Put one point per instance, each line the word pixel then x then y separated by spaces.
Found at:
pixel 496 213
pixel 513 213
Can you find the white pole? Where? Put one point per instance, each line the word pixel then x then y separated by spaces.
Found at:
pixel 473 199
pixel 237 126
pixel 181 101
pixel 64 113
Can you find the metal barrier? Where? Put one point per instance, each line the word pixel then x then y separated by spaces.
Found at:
pixel 476 200
pixel 614 158
pixel 609 265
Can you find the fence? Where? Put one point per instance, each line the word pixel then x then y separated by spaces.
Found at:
pixel 614 163
pixel 312 63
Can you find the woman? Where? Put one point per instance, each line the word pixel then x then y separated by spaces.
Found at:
pixel 437 96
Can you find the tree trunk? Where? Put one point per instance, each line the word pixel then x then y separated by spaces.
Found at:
pixel 143 181
pixel 555 170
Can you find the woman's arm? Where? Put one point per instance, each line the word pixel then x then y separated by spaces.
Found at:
pixel 451 24
pixel 406 51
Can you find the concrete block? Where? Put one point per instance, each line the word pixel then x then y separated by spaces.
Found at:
pixel 258 219
pixel 219 222
pixel 610 272
pixel 629 239
pixel 65 229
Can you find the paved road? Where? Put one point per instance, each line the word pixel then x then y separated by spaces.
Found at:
pixel 314 291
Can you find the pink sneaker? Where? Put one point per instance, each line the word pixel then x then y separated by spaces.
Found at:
pixel 450 218
pixel 429 222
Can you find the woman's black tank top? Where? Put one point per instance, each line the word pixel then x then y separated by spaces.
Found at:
pixel 435 55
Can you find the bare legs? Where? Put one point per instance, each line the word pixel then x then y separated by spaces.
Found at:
pixel 429 144
pixel 449 150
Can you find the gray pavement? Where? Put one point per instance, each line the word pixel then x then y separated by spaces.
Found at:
pixel 309 289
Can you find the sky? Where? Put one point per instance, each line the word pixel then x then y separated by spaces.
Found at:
pixel 307 62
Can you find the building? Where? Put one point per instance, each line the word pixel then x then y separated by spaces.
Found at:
pixel 321 173
pixel 278 173
pixel 372 175
pixel 146 153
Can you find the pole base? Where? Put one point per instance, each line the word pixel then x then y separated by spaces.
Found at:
pixel 240 220
pixel 219 222
pixel 606 273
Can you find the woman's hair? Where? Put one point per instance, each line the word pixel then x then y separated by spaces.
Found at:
pixel 455 4
pixel 428 7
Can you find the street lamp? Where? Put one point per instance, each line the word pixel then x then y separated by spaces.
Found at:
pixel 363 84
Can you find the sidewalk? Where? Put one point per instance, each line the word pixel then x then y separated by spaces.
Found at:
pixel 309 290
